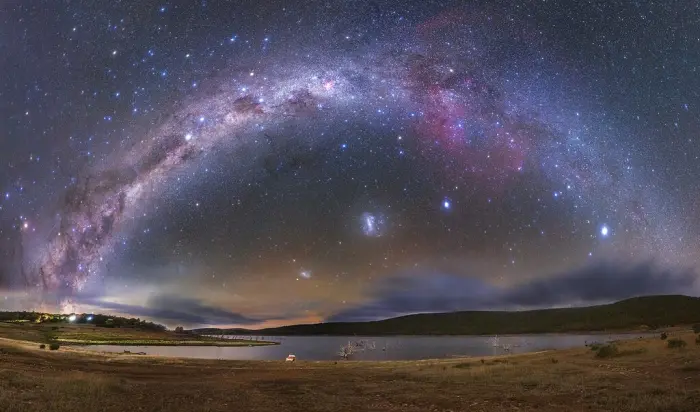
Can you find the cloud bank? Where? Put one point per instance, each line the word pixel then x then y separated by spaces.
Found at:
pixel 172 309
pixel 598 283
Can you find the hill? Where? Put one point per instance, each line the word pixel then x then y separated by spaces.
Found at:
pixel 631 314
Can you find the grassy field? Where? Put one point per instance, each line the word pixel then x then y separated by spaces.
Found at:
pixel 69 334
pixel 637 375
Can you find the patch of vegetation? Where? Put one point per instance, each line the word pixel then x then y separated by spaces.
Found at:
pixel 697 340
pixel 42 346
pixel 629 352
pixel 54 346
pixel 696 328
pixel 595 346
pixel 463 365
pixel 675 343
pixel 607 351
pixel 664 336
pixel 691 368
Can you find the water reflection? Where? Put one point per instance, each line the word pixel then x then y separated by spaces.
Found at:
pixel 380 348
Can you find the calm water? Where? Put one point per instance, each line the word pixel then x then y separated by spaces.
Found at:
pixel 385 348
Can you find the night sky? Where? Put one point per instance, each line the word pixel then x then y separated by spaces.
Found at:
pixel 258 163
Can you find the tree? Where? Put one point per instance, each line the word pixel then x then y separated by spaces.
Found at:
pixel 179 329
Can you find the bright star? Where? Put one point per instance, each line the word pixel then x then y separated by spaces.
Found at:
pixel 188 136
pixel 446 204
pixel 604 231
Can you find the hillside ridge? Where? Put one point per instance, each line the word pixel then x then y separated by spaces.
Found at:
pixel 643 312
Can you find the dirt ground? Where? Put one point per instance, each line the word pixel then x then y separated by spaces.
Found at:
pixel 645 375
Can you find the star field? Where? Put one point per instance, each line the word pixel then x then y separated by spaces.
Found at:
pixel 286 161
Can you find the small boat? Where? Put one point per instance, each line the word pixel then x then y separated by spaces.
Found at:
pixel 290 358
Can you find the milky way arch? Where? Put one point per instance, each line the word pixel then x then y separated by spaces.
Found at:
pixel 454 105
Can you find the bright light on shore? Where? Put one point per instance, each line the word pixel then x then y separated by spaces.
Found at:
pixel 72 318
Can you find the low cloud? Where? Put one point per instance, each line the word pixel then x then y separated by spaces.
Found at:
pixel 602 282
pixel 172 309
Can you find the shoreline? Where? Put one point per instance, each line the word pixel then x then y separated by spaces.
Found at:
pixel 643 376
pixel 174 343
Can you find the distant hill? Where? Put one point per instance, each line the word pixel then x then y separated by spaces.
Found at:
pixel 641 312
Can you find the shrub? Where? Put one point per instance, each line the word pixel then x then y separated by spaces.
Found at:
pixel 606 351
pixel 555 360
pixel 42 346
pixel 664 336
pixel 54 346
pixel 595 346
pixel 696 328
pixel 697 340
pixel 676 343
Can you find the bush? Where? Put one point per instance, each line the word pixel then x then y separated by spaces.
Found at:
pixel 606 351
pixel 54 346
pixel 697 340
pixel 42 346
pixel 664 336
pixel 676 343
pixel 595 346
pixel 696 328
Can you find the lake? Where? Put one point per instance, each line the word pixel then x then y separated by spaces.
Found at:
pixel 384 348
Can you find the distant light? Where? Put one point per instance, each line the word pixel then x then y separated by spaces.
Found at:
pixel 604 231
pixel 89 318
pixel 72 318
pixel 305 274
pixel 446 204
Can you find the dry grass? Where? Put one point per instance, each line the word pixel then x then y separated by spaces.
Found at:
pixel 644 376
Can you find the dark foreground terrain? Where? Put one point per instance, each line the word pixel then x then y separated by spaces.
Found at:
pixel 637 375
